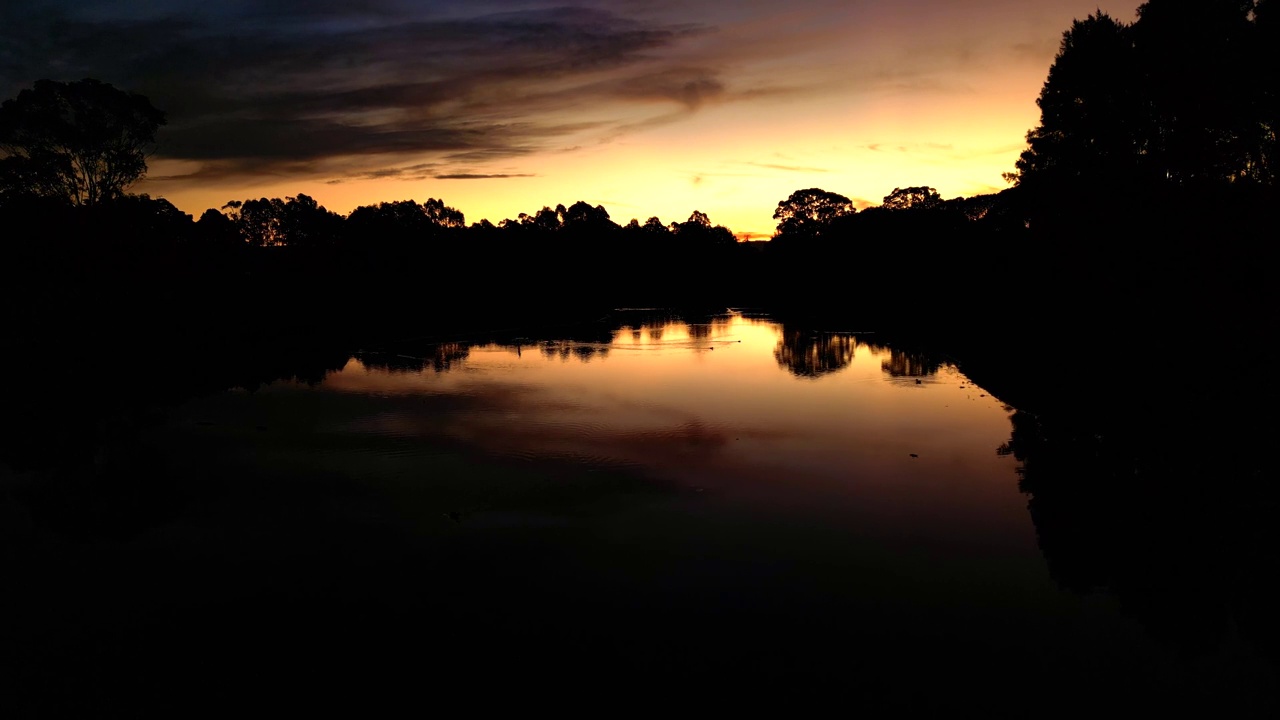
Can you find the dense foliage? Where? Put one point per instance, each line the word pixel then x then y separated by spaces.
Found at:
pixel 82 142
pixel 1184 96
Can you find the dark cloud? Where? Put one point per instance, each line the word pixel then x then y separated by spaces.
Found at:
pixel 420 171
pixel 288 87
pixel 478 176
pixel 690 87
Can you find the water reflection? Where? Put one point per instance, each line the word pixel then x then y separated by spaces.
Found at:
pixel 438 357
pixel 565 351
pixel 812 354
pixel 910 364
pixel 1144 519
pixel 746 472
pixel 833 421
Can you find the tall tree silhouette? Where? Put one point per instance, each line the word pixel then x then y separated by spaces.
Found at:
pixel 1179 97
pixel 82 142
pixel 1093 120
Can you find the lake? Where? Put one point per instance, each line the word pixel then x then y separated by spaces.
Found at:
pixel 720 502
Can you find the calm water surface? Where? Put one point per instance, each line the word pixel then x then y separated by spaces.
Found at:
pixel 821 429
pixel 729 500
pixel 723 468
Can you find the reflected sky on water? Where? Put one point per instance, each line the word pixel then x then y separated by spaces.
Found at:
pixel 825 425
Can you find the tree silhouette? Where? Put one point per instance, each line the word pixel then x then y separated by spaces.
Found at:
pixel 1092 118
pixel 655 227
pixel 1179 97
pixel 82 142
pixel 807 212
pixel 259 221
pixel 546 219
pixel 442 215
pixel 698 233
pixel 306 223
pixel 1199 75
pixel 912 198
pixel 217 230
pixel 403 222
pixel 583 214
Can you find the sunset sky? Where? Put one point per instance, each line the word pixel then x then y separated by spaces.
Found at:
pixel 498 107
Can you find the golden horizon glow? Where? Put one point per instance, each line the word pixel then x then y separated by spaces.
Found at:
pixel 859 103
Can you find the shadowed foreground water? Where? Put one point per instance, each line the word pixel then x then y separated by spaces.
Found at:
pixel 726 505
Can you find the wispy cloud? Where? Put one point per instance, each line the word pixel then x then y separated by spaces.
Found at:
pixel 948 151
pixel 787 168
pixel 481 176
pixel 296 86
pixel 910 148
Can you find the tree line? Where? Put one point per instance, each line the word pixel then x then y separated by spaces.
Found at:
pixel 1150 175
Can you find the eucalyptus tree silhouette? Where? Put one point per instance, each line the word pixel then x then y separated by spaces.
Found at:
pixel 403 222
pixel 912 198
pixel 698 233
pixel 82 142
pixel 806 213
pixel 583 214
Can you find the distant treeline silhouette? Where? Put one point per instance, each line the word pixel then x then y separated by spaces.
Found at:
pixel 1137 211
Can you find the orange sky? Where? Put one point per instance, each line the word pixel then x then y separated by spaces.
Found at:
pixel 649 108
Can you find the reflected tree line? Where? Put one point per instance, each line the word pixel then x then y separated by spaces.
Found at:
pixel 810 354
pixel 1172 519
pixel 802 352
pixel 440 357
